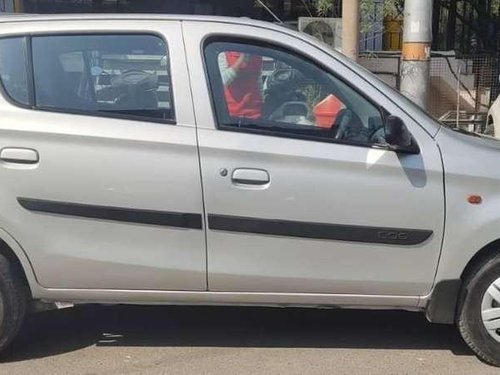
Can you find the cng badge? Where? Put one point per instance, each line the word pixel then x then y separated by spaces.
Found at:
pixel 392 235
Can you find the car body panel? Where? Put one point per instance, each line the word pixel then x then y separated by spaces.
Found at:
pixel 130 165
pixel 315 182
pixel 470 169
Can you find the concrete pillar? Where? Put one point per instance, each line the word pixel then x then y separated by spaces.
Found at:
pixel 416 53
pixel 350 28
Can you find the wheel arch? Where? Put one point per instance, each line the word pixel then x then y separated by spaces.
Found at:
pixel 13 251
pixel 444 300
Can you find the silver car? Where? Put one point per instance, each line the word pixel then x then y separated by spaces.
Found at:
pixel 195 160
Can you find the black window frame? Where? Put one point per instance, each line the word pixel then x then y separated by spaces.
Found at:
pixel 212 73
pixel 28 55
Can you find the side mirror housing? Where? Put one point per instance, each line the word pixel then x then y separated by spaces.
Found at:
pixel 398 137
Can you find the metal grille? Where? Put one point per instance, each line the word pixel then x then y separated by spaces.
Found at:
pixel 466 26
pixel 463 88
pixel 372 28
pixel 384 64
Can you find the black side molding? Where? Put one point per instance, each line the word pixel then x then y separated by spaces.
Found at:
pixel 339 232
pixel 129 215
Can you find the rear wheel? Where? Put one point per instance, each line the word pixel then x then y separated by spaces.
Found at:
pixel 12 302
pixel 479 310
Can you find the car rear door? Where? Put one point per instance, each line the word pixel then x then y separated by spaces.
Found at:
pixel 99 163
pixel 291 211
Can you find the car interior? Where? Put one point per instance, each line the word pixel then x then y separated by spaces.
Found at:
pixel 296 93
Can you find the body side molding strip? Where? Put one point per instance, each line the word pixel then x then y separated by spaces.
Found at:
pixel 339 232
pixel 129 215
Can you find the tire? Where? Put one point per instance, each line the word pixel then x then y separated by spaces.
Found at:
pixel 469 316
pixel 13 301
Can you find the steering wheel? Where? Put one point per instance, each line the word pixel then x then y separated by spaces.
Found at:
pixel 278 79
pixel 348 125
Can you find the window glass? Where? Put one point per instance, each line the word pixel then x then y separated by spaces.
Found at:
pixel 13 69
pixel 110 74
pixel 271 91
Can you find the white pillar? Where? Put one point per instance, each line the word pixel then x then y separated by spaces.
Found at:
pixel 417 38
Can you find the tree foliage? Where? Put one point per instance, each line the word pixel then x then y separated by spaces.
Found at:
pixel 391 8
pixel 368 8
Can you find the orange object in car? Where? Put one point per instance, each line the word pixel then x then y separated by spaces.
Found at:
pixel 327 110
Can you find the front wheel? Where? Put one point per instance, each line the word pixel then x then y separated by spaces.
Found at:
pixel 479 310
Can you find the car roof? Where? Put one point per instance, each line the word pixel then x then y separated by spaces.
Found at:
pixel 26 17
pixel 12 18
pixel 6 18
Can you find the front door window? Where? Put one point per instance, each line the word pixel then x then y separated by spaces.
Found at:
pixel 275 92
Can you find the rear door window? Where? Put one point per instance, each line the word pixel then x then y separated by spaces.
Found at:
pixel 13 69
pixel 109 75
pixel 126 75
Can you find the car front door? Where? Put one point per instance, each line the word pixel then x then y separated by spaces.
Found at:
pixel 99 163
pixel 300 193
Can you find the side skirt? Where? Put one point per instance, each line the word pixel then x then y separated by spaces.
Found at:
pixel 229 298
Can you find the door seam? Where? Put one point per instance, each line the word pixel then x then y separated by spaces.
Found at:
pixel 205 224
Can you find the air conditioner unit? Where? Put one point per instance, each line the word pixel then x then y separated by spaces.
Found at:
pixel 328 30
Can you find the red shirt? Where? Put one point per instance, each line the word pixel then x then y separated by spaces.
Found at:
pixel 243 96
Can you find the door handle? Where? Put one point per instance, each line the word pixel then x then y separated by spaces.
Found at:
pixel 19 155
pixel 250 176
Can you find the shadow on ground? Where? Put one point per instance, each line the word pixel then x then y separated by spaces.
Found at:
pixel 55 332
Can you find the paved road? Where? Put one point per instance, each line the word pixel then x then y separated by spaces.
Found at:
pixel 229 340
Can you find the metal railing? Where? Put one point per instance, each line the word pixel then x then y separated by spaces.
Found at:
pixel 462 87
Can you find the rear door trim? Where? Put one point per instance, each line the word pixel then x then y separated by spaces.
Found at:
pixel 129 215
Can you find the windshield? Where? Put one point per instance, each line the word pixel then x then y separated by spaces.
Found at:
pixel 413 110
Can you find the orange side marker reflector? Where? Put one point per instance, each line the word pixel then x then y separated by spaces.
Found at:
pixel 474 199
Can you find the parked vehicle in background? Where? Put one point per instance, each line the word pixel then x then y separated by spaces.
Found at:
pixel 197 160
pixel 493 120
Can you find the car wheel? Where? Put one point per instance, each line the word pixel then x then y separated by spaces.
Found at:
pixel 478 316
pixel 12 303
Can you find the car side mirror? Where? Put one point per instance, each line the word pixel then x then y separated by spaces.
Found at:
pixel 398 137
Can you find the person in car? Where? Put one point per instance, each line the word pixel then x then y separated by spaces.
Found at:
pixel 242 78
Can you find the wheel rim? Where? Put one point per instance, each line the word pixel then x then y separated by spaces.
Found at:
pixel 490 310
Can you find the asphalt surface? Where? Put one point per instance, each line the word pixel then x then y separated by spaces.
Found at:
pixel 234 340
